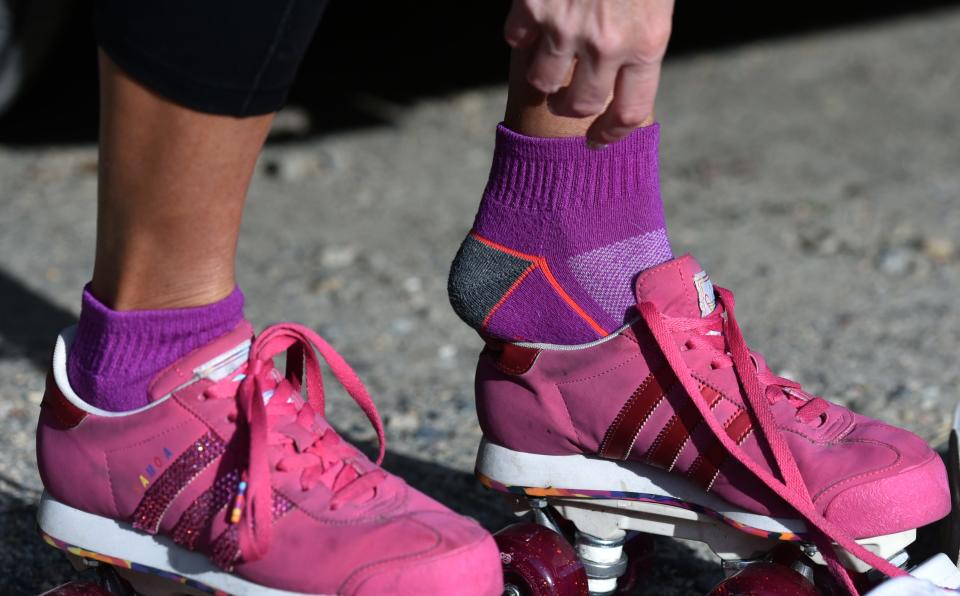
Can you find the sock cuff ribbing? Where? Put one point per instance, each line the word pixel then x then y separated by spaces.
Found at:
pixel 113 341
pixel 550 174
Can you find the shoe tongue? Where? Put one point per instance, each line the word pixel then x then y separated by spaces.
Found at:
pixel 678 288
pixel 215 360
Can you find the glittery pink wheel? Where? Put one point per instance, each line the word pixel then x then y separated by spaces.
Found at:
pixel 539 561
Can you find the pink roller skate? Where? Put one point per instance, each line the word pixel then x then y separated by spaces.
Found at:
pixel 673 426
pixel 230 481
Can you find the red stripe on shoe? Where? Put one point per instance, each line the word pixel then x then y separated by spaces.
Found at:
pixel 625 428
pixel 738 428
pixel 711 395
pixel 704 467
pixel 671 440
pixel 171 483
pixel 704 471
pixel 707 465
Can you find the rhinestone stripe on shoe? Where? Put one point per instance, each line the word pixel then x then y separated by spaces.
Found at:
pixel 200 513
pixel 226 548
pixel 171 483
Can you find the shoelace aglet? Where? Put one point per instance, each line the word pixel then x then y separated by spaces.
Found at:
pixel 237 512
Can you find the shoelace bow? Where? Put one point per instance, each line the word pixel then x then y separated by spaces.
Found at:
pixel 761 388
pixel 321 455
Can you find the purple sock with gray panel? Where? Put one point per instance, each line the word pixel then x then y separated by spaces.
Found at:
pixel 561 234
pixel 115 354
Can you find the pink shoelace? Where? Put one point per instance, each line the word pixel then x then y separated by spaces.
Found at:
pixel 321 456
pixel 722 334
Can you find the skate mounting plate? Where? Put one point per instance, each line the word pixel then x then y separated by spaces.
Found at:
pixel 652 501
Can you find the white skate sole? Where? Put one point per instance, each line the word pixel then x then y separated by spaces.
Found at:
pixel 603 497
pixel 116 543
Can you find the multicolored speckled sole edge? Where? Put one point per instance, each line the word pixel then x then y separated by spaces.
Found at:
pixel 643 497
pixel 125 564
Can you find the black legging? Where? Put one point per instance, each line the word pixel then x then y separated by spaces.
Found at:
pixel 234 57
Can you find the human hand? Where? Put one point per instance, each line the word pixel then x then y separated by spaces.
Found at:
pixel 586 51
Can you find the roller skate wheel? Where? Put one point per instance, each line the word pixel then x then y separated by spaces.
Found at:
pixel 639 551
pixel 765 579
pixel 539 562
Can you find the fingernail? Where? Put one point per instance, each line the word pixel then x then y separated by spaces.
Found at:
pixel 595 145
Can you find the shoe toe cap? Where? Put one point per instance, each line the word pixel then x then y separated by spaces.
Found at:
pixel 463 560
pixel 911 493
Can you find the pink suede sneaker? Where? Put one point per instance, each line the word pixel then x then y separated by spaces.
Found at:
pixel 229 481
pixel 676 411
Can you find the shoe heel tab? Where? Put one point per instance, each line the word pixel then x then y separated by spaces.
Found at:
pixel 510 358
pixel 63 413
pixel 61 410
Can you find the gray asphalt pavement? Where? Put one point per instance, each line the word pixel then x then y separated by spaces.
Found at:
pixel 818 177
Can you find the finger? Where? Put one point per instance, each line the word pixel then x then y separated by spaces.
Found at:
pixel 632 106
pixel 521 29
pixel 589 90
pixel 551 63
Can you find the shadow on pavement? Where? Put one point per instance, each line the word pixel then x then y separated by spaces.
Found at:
pixel 28 322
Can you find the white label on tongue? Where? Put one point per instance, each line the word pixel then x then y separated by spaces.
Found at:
pixel 223 365
pixel 708 301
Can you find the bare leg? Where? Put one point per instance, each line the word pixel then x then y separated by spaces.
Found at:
pixel 172 188
pixel 527 109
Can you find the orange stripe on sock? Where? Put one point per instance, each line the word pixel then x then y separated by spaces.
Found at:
pixel 542 263
pixel 570 302
pixel 502 248
pixel 513 287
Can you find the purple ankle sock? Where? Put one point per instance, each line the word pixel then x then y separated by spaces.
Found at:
pixel 561 234
pixel 116 354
